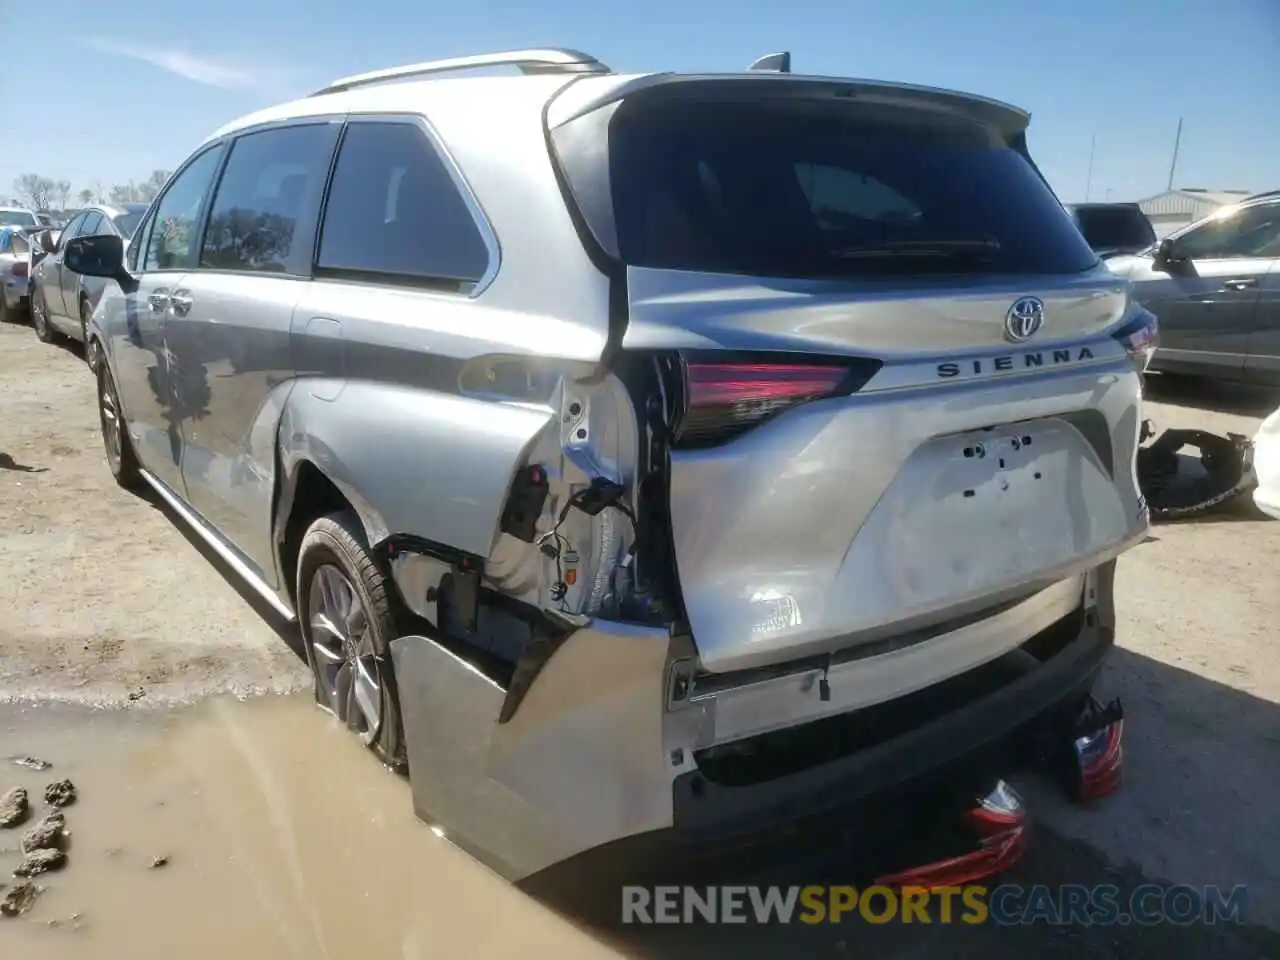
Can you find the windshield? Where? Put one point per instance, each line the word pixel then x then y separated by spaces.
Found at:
pixel 809 188
pixel 1110 228
pixel 18 218
pixel 127 223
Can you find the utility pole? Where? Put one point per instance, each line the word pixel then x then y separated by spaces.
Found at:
pixel 1088 182
pixel 1173 164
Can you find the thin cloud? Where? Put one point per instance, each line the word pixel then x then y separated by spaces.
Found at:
pixel 211 72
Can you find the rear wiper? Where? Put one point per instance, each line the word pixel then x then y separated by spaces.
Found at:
pixel 982 248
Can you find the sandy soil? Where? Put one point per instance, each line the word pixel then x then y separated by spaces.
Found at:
pixel 109 603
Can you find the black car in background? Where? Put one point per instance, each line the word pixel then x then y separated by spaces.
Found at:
pixel 1114 228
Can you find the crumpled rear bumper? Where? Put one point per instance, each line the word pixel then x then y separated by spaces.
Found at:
pixel 596 768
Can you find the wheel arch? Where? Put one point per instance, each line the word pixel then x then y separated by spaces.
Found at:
pixel 305 493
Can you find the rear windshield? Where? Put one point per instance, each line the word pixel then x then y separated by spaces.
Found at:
pixel 1112 227
pixel 821 188
pixel 18 218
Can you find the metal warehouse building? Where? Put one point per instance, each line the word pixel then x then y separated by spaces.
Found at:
pixel 1176 208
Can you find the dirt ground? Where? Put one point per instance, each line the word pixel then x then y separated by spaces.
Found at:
pixel 109 603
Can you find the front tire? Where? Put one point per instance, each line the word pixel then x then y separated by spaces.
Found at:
pixel 115 433
pixel 348 615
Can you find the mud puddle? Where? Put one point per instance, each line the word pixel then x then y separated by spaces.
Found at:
pixel 254 830
pixel 261 830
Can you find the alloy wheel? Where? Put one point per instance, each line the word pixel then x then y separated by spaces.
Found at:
pixel 109 414
pixel 347 673
pixel 39 316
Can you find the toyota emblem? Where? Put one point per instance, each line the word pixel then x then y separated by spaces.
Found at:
pixel 1024 319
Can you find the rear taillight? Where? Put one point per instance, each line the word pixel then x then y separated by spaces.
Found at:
pixel 19 269
pixel 1140 337
pixel 724 399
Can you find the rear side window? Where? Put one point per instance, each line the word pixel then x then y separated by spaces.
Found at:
pixel 821 188
pixel 262 218
pixel 20 245
pixel 1112 227
pixel 91 225
pixel 395 213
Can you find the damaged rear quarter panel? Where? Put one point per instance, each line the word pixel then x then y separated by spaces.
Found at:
pixel 413 460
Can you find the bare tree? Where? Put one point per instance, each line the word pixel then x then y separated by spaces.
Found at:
pixel 97 192
pixel 151 186
pixel 85 196
pixel 34 190
pixel 62 191
pixel 123 193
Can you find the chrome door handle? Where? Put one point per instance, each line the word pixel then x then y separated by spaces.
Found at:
pixel 180 303
pixel 159 300
pixel 1239 284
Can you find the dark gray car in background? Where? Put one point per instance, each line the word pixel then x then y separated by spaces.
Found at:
pixel 62 301
pixel 1215 286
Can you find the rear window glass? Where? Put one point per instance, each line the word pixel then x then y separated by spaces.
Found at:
pixel 127 223
pixel 1109 227
pixel 17 218
pixel 809 188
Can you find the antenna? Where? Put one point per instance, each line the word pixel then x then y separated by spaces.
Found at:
pixel 1088 182
pixel 772 63
pixel 1173 165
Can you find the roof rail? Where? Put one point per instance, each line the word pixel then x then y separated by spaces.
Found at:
pixel 550 60
pixel 1264 193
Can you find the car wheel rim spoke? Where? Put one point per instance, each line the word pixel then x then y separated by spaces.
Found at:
pixel 348 679
pixel 110 423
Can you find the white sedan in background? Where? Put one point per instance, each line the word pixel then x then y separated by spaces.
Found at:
pixel 1266 463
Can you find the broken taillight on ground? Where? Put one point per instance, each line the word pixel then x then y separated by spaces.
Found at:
pixel 998 826
pixel 1097 751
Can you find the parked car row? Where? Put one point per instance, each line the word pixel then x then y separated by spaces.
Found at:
pixel 36 283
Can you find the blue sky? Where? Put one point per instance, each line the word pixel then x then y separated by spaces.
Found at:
pixel 113 90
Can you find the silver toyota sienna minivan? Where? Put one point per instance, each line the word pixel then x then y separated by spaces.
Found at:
pixel 639 455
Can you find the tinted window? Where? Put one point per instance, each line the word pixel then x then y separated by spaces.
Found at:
pixel 126 223
pixel 92 224
pixel 271 179
pixel 17 218
pixel 72 230
pixel 1251 232
pixel 171 244
pixel 394 210
pixel 822 189
pixel 1115 227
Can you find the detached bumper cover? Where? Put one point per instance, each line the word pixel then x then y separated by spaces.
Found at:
pixel 593 768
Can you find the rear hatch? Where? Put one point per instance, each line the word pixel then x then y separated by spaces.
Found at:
pixel 898 400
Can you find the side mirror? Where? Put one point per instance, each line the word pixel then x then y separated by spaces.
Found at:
pixel 96 256
pixel 1166 256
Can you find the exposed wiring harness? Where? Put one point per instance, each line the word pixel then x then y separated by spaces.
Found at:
pixel 591 500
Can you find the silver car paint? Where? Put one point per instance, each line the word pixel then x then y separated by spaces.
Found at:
pixel 386 392
pixel 63 290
